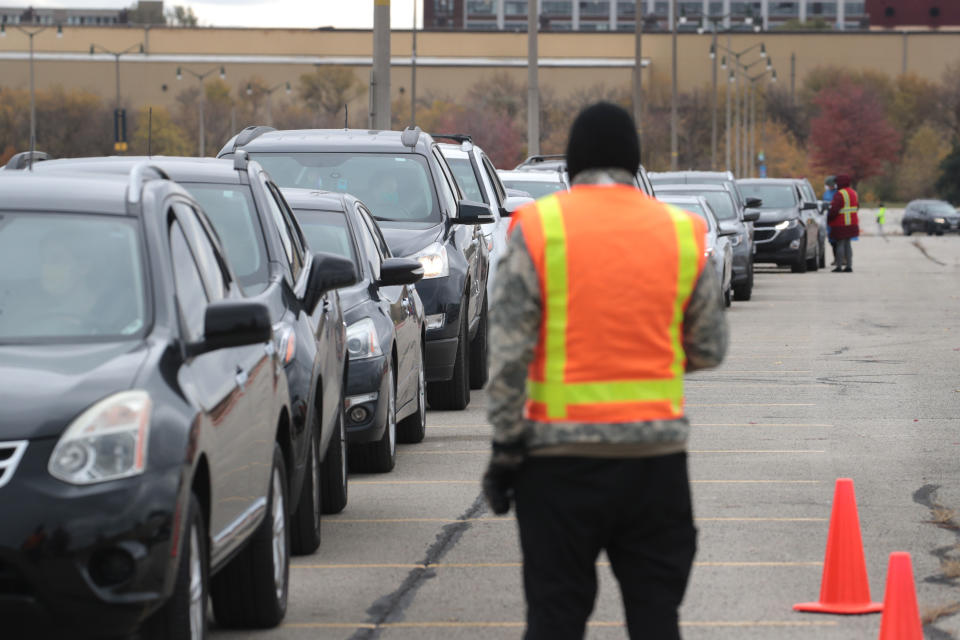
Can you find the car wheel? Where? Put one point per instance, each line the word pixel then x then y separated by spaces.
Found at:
pixel 305 522
pixel 727 298
pixel 184 615
pixel 800 264
pixel 413 428
pixel 454 394
pixel 478 352
pixel 251 591
pixel 814 263
pixel 745 291
pixel 380 456
pixel 333 470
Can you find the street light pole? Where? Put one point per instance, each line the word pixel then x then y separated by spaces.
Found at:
pixel 638 75
pixel 200 78
pixel 116 54
pixel 674 153
pixel 739 117
pixel 269 94
pixel 33 100
pixel 533 81
pixel 728 146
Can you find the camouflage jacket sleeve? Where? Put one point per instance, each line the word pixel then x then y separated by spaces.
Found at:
pixel 514 330
pixel 704 323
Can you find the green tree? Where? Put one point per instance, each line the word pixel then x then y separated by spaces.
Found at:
pixel 181 16
pixel 159 135
pixel 948 184
pixel 920 165
pixel 219 114
pixel 328 89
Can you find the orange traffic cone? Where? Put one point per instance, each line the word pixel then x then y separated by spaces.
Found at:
pixel 844 587
pixel 901 619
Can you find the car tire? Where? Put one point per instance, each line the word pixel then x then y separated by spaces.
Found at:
pixel 745 291
pixel 184 614
pixel 727 298
pixel 305 521
pixel 907 230
pixel 251 591
pixel 454 394
pixel 814 263
pixel 800 263
pixel 333 470
pixel 379 456
pixel 479 366
pixel 413 428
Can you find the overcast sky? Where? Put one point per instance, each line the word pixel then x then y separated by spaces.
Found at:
pixel 343 14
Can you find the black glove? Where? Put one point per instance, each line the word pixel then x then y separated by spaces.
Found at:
pixel 499 479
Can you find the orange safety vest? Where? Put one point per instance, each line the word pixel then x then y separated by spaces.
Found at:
pixel 616 272
pixel 848 212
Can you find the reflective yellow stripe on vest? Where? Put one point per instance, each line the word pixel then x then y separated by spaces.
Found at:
pixel 556 394
pixel 846 210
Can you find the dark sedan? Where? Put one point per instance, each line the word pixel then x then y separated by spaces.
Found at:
pixel 143 409
pixel 788 231
pixel 385 397
pixel 934 217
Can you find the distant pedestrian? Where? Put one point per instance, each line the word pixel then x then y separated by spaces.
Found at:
pixel 829 190
pixel 586 397
pixel 881 217
pixel 843 222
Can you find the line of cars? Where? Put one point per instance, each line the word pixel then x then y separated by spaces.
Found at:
pixel 195 351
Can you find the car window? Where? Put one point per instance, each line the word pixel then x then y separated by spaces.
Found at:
pixel 774 196
pixel 537 189
pixel 231 210
pixel 720 201
pixel 211 271
pixel 697 209
pixel 463 173
pixel 448 189
pixel 327 231
pixel 374 231
pixel 294 261
pixel 69 276
pixel 394 186
pixel 290 223
pixel 191 298
pixel 373 256
pixel 494 178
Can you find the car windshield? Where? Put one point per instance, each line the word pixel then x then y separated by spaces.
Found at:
pixel 326 231
pixel 466 178
pixel 720 201
pixel 694 208
pixel 536 189
pixel 64 277
pixel 394 187
pixel 233 215
pixel 774 196
pixel 941 209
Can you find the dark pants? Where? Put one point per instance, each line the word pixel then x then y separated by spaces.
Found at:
pixel 844 253
pixel 638 510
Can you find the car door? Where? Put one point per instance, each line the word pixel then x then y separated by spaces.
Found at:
pixel 227 385
pixel 500 232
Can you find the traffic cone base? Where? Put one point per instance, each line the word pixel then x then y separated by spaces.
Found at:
pixel 844 587
pixel 901 619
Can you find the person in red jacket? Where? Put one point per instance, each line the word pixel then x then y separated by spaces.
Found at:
pixel 843 222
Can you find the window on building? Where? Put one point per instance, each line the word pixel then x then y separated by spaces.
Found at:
pixel 515 7
pixel 594 7
pixel 481 7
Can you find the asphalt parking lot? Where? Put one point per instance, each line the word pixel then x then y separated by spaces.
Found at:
pixel 828 375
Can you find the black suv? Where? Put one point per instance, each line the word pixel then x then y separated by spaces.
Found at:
pixel 144 415
pixel 933 217
pixel 266 249
pixel 788 231
pixel 408 186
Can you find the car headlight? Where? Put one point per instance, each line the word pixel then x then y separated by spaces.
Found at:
pixel 108 441
pixel 434 260
pixel 362 340
pixel 939 220
pixel 786 224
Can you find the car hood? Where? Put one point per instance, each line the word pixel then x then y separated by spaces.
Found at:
pixel 46 386
pixel 770 216
pixel 404 241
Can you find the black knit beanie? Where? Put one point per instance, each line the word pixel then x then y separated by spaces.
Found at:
pixel 603 136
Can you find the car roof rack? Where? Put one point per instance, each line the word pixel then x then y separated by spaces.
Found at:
pixel 456 137
pixel 543 158
pixel 24 159
pixel 409 136
pixel 138 174
pixel 240 160
pixel 248 134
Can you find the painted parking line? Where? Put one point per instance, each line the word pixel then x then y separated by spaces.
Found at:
pixel 477 482
pixel 462 624
pixel 500 519
pixel 517 565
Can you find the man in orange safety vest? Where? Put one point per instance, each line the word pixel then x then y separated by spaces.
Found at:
pixel 602 302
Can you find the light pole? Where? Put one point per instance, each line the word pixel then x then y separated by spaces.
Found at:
pixel 728 146
pixel 116 54
pixel 739 125
pixel 269 92
pixel 749 114
pixel 714 20
pixel 753 116
pixel 33 100
pixel 200 78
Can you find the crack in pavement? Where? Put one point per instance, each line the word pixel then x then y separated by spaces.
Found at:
pixel 390 607
pixel 923 250
pixel 926 496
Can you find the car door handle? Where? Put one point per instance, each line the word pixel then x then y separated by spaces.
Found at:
pixel 241 378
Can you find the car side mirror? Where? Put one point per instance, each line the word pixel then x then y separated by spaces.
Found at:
pixel 394 271
pixel 723 231
pixel 754 203
pixel 751 215
pixel 512 203
pixel 473 213
pixel 809 206
pixel 327 272
pixel 233 323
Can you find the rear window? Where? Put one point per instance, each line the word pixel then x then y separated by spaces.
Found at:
pixel 535 189
pixel 720 201
pixel 774 196
pixel 466 178
pixel 327 231
pixel 394 186
pixel 234 217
